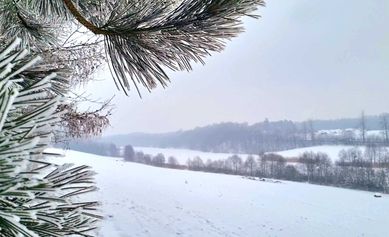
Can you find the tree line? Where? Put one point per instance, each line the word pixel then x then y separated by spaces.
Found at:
pixel 159 160
pixel 357 169
pixel 267 136
pixel 92 147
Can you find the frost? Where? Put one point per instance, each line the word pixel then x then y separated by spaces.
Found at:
pixel 33 189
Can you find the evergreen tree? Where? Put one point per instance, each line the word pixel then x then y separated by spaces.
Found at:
pixel 35 195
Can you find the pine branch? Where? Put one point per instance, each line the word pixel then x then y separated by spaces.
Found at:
pixel 34 194
pixel 81 19
pixel 143 38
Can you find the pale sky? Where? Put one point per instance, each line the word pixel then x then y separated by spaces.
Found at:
pixel 303 59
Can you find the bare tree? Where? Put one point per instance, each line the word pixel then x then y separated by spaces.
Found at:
pixel 371 153
pixel 279 168
pixel 263 166
pixel 140 157
pixel 172 161
pixel 250 164
pixel 362 127
pixel 311 131
pixel 158 160
pixel 384 122
pixel 195 163
pixel 236 162
pixel 309 162
pixel 324 165
pixel 147 159
pixel 305 131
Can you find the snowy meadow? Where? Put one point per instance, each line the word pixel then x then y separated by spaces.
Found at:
pixel 182 155
pixel 140 200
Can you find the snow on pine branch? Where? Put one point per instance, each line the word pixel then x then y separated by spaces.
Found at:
pixel 36 196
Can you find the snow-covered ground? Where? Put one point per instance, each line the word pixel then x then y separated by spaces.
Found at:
pixel 351 131
pixel 139 200
pixel 182 155
pixel 331 150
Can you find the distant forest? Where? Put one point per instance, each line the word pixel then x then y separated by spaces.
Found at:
pixel 264 136
pixel 92 147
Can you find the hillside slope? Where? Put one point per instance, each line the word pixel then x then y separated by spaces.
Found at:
pixel 140 200
pixel 331 150
pixel 264 136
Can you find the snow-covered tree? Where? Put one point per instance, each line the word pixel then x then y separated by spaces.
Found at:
pixel 36 197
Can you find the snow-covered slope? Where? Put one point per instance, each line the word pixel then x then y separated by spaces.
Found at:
pixel 182 155
pixel 350 131
pixel 331 150
pixel 140 200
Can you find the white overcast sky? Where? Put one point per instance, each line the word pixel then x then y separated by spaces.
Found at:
pixel 303 59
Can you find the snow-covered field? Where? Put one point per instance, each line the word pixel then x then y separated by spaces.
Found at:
pixel 331 150
pixel 182 155
pixel 356 132
pixel 139 200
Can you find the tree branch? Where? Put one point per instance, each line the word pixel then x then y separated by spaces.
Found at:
pixel 81 19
